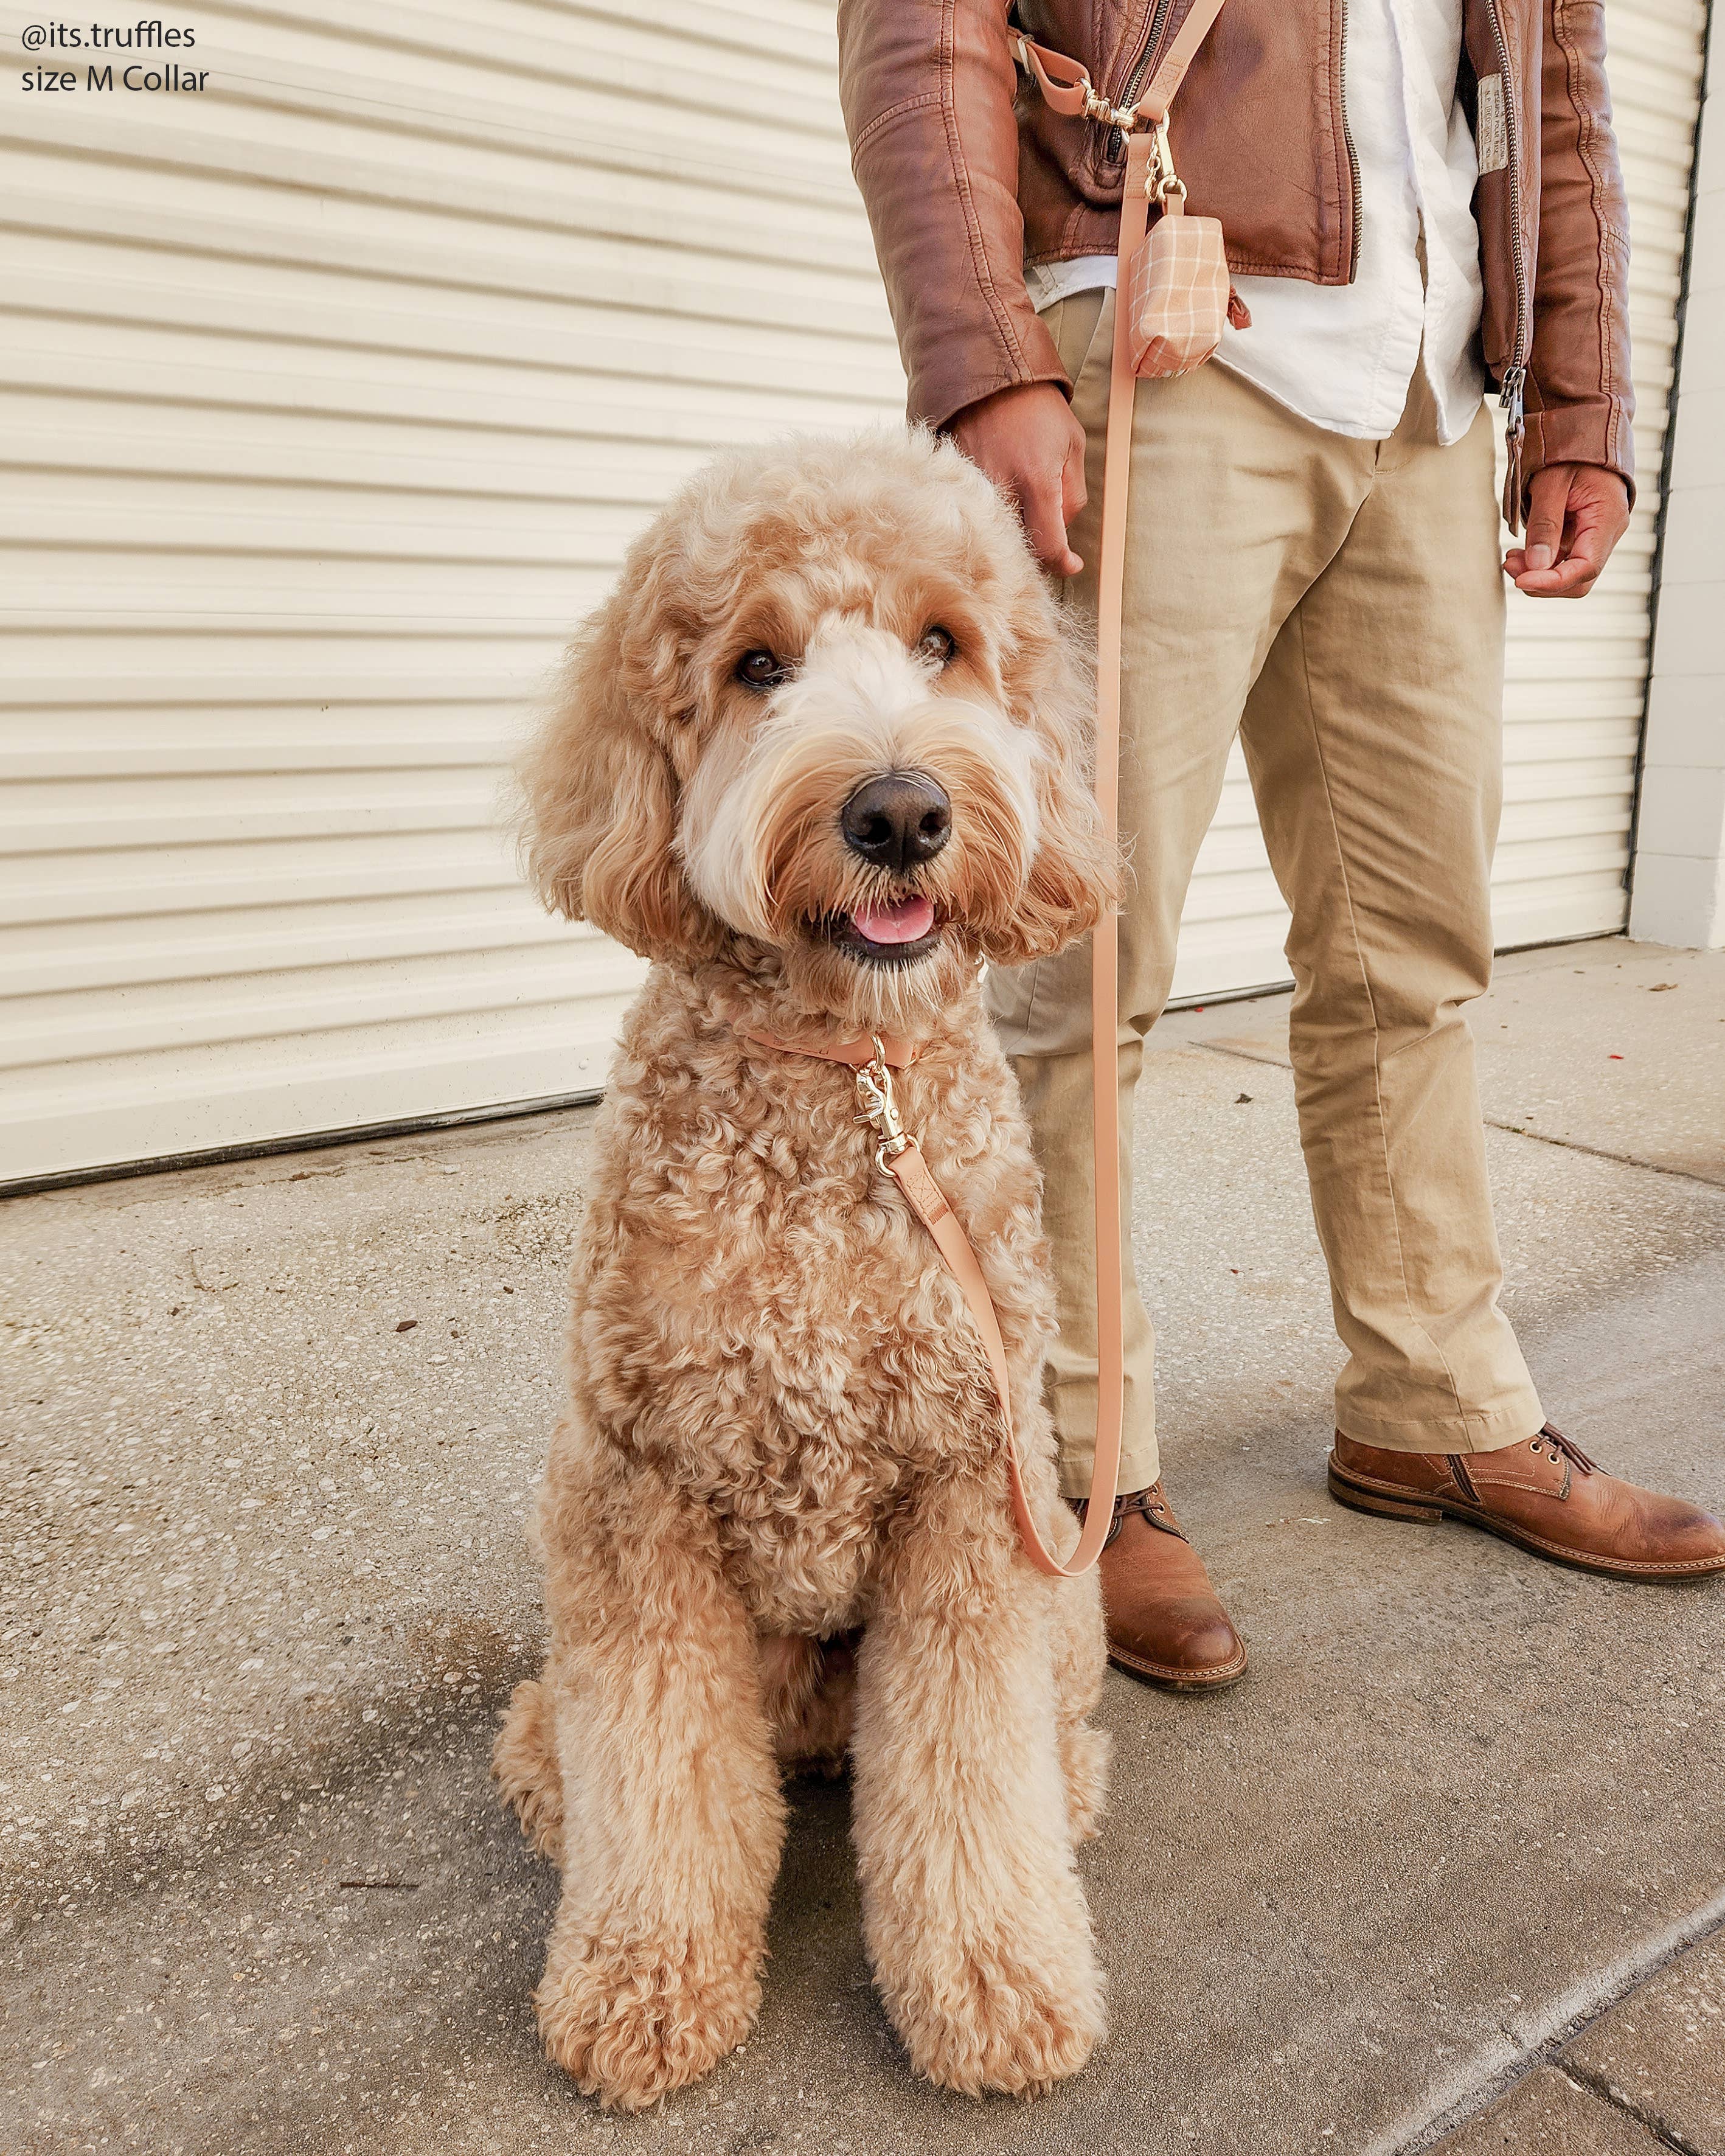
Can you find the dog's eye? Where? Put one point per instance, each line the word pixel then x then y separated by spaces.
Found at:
pixel 937 643
pixel 761 669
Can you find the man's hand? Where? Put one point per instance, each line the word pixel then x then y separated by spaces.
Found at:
pixel 1027 441
pixel 1576 515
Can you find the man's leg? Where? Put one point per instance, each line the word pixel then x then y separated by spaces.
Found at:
pixel 1375 740
pixel 1235 506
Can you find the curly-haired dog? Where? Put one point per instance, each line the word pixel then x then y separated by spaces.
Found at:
pixel 821 752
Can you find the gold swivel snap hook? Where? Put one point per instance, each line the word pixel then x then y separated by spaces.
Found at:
pixel 1161 182
pixel 879 1107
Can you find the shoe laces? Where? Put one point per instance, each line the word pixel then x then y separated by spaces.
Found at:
pixel 1563 1448
pixel 1152 1504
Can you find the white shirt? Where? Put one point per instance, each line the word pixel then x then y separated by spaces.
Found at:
pixel 1343 355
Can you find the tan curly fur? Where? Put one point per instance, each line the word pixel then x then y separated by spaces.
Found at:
pixel 775 1522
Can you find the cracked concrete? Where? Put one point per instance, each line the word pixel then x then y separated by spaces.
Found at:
pixel 1548 2112
pixel 265 1591
pixel 1661 2053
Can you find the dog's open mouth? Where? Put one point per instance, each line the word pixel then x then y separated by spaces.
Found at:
pixel 895 935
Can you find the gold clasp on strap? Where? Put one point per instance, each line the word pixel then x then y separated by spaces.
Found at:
pixel 1074 92
pixel 1097 107
pixel 1161 182
pixel 879 1107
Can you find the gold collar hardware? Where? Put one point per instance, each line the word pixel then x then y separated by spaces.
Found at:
pixel 879 1107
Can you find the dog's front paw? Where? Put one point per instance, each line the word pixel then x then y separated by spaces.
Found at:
pixel 524 1765
pixel 996 2019
pixel 1084 1762
pixel 631 2022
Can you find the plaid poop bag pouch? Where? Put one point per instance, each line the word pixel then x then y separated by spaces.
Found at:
pixel 1178 298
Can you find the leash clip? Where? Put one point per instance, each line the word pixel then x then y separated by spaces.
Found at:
pixel 879 1108
pixel 1161 182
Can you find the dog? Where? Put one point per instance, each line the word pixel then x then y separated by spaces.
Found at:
pixel 824 750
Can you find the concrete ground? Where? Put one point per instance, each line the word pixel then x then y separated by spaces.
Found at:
pixel 1450 1862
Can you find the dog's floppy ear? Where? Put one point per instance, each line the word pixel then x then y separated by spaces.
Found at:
pixel 1073 879
pixel 598 821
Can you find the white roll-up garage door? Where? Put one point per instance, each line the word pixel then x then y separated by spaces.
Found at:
pixel 330 395
pixel 1577 673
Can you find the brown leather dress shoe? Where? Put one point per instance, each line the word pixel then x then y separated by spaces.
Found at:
pixel 1166 1623
pixel 1544 1493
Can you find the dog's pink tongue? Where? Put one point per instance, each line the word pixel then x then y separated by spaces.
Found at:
pixel 902 923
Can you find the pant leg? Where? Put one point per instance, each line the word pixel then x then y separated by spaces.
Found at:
pixel 1237 506
pixel 1375 740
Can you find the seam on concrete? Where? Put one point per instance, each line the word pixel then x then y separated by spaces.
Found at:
pixel 1513 1129
pixel 1464 2094
pixel 1597 2086
pixel 1604 1153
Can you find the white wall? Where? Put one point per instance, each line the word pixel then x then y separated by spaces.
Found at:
pixel 1680 858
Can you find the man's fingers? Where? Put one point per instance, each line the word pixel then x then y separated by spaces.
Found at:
pixel 1570 578
pixel 1040 510
pixel 1576 515
pixel 1586 548
pixel 1027 442
pixel 1546 501
pixel 1573 579
pixel 1074 493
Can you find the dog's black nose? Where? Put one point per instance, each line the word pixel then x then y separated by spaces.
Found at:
pixel 897 822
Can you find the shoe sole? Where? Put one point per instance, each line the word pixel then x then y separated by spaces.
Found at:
pixel 1359 1498
pixel 1189 1680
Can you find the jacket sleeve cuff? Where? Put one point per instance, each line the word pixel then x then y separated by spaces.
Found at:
pixel 1594 432
pixel 947 380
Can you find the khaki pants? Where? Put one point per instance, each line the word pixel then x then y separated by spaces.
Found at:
pixel 1339 604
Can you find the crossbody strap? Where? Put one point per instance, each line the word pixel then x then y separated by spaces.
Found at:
pixel 1155 98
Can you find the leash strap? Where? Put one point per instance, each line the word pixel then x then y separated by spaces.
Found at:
pixel 899 1155
pixel 1105 941
pixel 1068 88
pixel 928 1202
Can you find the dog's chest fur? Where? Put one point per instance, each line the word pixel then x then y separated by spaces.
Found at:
pixel 757 1313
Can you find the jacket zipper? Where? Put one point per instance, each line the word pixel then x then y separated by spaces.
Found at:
pixel 1115 148
pixel 1347 145
pixel 1513 383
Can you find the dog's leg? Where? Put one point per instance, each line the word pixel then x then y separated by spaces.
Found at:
pixel 1080 1662
pixel 524 1765
pixel 974 1917
pixel 809 1686
pixel 672 1814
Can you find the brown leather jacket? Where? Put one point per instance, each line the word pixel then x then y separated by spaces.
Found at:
pixel 968 175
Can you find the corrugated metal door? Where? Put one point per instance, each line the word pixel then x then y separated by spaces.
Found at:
pixel 330 395
pixel 1576 673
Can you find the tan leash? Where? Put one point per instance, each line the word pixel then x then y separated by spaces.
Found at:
pixel 1149 173
pixel 898 1154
